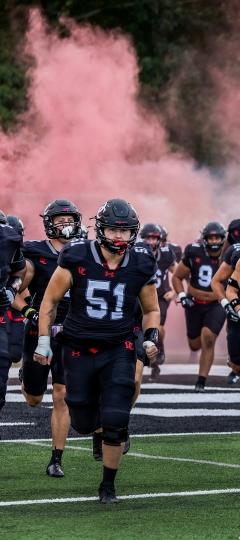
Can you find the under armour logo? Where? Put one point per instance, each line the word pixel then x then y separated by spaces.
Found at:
pixel 129 345
pixel 109 274
pixel 76 353
pixel 81 270
pixel 42 260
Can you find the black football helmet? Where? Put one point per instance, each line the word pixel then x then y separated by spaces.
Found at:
pixel 164 233
pixel 233 236
pixel 150 229
pixel 59 207
pixel 3 218
pixel 83 233
pixel 213 227
pixel 118 214
pixel 16 223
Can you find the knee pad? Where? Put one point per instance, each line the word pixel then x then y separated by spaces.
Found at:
pixel 84 418
pixel 114 437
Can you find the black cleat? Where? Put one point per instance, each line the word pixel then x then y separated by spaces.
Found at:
pixel 126 447
pixel 97 446
pixel 20 374
pixel 54 470
pixel 233 378
pixel 199 388
pixel 155 371
pixel 107 494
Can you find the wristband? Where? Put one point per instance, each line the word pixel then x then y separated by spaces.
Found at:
pixel 224 302
pixel 181 295
pixel 151 335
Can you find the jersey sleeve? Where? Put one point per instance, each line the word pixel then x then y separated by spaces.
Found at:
pixel 235 258
pixel 18 262
pixel 71 254
pixel 147 265
pixel 228 255
pixel 186 258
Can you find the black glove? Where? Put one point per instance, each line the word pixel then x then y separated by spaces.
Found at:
pixel 5 300
pixel 231 314
pixel 31 314
pixel 186 301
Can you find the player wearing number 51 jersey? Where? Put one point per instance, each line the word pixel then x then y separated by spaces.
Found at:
pixel 204 315
pixel 105 278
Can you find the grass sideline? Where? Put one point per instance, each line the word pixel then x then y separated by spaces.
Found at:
pixel 197 517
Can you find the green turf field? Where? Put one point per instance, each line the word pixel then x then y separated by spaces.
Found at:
pixel 177 487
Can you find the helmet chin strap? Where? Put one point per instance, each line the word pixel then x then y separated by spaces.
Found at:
pixel 67 231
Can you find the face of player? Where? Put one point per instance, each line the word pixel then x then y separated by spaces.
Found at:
pixel 62 221
pixel 214 239
pixel 120 235
pixel 152 241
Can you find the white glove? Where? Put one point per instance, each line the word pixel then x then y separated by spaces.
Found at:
pixel 44 348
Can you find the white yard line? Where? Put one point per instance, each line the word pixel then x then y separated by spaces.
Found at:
pixel 196 493
pixel 149 456
pixel 177 413
pixel 134 436
pixel 17 424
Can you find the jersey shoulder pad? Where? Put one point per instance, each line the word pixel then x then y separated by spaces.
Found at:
pixel 142 247
pixel 34 247
pixel 144 262
pixel 74 252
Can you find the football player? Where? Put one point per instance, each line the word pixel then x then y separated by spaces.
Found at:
pixel 62 222
pixel 14 320
pixel 12 270
pixel 204 315
pixel 233 296
pixel 166 261
pixel 105 278
pixel 165 242
pixel 229 261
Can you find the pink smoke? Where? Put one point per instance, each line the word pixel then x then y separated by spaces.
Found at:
pixel 87 138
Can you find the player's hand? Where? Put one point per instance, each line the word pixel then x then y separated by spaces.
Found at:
pixel 169 296
pixel 230 312
pixel 151 350
pixel 185 300
pixel 43 353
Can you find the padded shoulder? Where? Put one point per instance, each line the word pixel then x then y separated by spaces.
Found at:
pixel 73 253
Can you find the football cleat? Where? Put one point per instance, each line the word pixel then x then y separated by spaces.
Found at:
pixel 126 447
pixel 155 371
pixel 233 378
pixel 20 374
pixel 97 446
pixel 199 388
pixel 107 494
pixel 54 470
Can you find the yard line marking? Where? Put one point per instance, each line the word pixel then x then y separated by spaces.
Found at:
pixel 176 413
pixel 166 386
pixel 17 424
pixel 123 497
pixel 149 456
pixel 188 398
pixel 136 435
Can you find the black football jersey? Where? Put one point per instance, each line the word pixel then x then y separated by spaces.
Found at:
pixel 103 300
pixel 177 250
pixel 11 257
pixel 201 264
pixel 44 258
pixel 231 255
pixel 165 258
